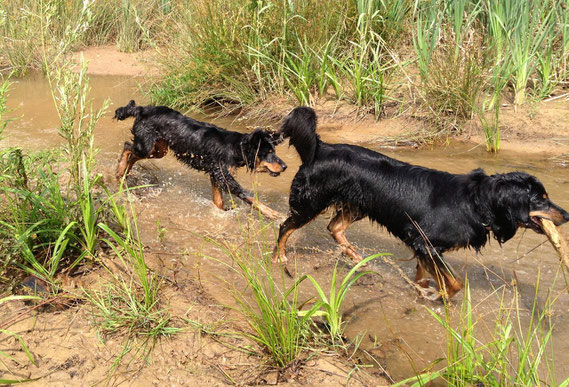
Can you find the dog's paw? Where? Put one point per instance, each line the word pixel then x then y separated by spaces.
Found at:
pixel 429 293
pixel 351 252
pixel 282 258
pixel 274 215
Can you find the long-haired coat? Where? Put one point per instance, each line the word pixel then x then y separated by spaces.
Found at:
pixel 430 211
pixel 201 146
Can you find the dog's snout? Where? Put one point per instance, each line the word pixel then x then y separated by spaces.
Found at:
pixel 284 166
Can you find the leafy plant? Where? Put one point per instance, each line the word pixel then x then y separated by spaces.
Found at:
pixel 270 310
pixel 332 304
pixel 131 303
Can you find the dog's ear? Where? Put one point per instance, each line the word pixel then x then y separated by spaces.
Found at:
pixel 129 110
pixel 250 144
pixel 509 202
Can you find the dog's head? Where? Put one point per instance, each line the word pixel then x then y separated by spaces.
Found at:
pixel 518 199
pixel 259 152
pixel 124 112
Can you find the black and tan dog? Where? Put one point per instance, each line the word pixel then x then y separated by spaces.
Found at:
pixel 431 211
pixel 201 146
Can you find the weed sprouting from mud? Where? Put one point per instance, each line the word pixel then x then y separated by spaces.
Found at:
pixel 269 300
pixel 516 353
pixel 130 302
pixel 269 306
pixel 331 305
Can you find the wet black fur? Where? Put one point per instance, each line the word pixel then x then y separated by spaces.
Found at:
pixel 451 210
pixel 201 145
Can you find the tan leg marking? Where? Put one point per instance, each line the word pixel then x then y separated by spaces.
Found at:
pixel 337 227
pixel 217 197
pixel 420 277
pixel 126 162
pixel 280 250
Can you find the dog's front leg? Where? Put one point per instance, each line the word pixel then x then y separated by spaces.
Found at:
pixel 217 195
pixel 221 177
pixel 126 161
pixel 338 226
pixel 265 210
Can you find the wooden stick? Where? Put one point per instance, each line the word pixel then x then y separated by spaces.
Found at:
pixel 558 242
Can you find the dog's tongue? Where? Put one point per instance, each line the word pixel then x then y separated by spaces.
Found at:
pixel 558 242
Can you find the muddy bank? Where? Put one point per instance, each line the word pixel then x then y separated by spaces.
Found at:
pixel 533 128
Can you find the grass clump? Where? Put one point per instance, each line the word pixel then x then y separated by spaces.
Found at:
pixel 279 323
pixel 332 305
pixel 513 355
pixel 49 210
pixel 269 306
pixel 129 304
pixel 248 52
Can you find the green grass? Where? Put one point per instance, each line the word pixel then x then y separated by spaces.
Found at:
pixel 330 307
pixel 129 304
pixel 515 354
pixel 268 305
pixel 269 301
pixel 49 214
pixel 470 54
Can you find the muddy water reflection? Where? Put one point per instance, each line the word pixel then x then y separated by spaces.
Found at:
pixel 384 309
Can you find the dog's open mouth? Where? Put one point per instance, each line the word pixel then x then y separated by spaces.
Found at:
pixel 264 168
pixel 272 169
pixel 535 220
pixel 535 223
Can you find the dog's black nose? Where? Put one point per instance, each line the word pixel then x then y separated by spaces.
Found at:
pixel 283 165
pixel 566 216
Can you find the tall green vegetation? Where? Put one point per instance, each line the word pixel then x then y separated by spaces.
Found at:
pixel 247 52
pixel 130 25
pixel 471 55
pixel 471 52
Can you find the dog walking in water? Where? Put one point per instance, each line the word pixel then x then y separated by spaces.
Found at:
pixel 431 211
pixel 202 146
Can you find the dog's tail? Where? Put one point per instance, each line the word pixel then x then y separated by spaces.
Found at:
pixel 300 127
pixel 130 110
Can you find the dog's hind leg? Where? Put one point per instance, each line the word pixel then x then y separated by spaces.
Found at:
pixel 337 228
pixel 126 161
pixel 129 158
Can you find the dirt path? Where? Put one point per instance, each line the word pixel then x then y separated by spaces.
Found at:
pixel 107 60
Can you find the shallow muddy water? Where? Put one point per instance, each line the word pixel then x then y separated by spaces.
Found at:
pixel 396 326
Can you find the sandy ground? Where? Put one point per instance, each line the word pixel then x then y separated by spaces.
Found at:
pixel 107 60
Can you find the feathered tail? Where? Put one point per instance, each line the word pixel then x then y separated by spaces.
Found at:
pixel 130 110
pixel 300 126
